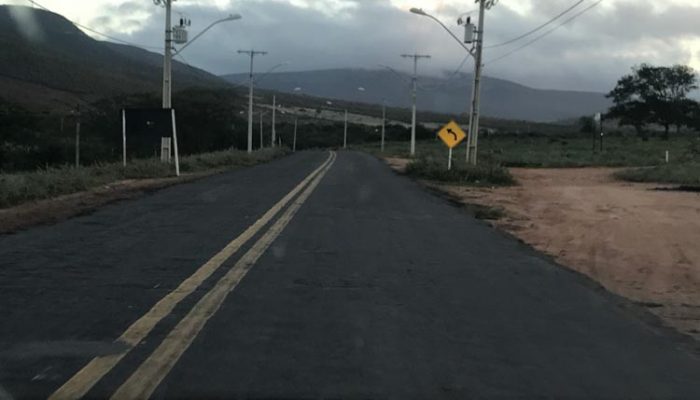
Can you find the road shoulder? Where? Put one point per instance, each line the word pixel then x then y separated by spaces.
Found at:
pixel 604 231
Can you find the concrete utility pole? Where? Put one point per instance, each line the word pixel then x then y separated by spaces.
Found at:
pixel 383 122
pixel 168 54
pixel 294 143
pixel 261 130
pixel 473 134
pixel 415 58
pixel 274 110
pixel 345 132
pixel 476 90
pixel 77 137
pixel 252 54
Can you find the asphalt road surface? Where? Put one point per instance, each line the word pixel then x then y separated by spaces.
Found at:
pixel 320 275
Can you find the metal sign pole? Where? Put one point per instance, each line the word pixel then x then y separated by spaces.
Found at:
pixel 449 159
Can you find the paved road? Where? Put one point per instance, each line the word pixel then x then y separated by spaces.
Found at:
pixel 315 276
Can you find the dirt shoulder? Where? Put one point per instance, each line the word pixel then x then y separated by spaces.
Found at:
pixel 637 242
pixel 60 208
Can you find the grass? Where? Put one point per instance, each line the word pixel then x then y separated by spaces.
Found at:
pixel 682 173
pixel 553 151
pixel 461 174
pixel 486 212
pixel 18 188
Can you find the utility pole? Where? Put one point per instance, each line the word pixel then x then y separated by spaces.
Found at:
pixel 252 53
pixel 345 132
pixel 274 109
pixel 415 58
pixel 476 89
pixel 261 130
pixel 77 137
pixel 383 122
pixel 294 143
pixel 168 54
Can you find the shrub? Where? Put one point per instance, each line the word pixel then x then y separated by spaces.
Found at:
pixel 480 175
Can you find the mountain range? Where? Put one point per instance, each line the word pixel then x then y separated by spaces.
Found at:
pixel 48 64
pixel 500 98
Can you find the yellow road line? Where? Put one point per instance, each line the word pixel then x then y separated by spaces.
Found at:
pixel 151 372
pixel 98 367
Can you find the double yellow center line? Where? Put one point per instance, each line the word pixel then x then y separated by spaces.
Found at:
pixel 147 377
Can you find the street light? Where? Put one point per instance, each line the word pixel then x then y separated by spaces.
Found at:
pixel 274 100
pixel 168 53
pixel 251 53
pixel 269 71
pixel 419 11
pixel 231 17
pixel 476 53
pixel 414 94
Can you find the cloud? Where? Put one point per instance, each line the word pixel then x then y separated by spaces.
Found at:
pixel 590 53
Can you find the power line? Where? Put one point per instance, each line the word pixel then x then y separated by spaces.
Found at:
pixel 402 76
pixel 537 29
pixel 459 69
pixel 450 77
pixel 585 10
pixel 87 28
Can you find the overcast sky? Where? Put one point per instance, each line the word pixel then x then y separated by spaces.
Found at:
pixel 589 53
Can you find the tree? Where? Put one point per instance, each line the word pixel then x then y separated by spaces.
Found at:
pixel 694 116
pixel 654 95
pixel 628 105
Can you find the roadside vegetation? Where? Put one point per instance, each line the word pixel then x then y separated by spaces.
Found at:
pixel 20 187
pixel 684 174
pixel 480 175
pixel 545 151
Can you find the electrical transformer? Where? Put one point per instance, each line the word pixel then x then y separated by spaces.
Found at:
pixel 469 32
pixel 180 34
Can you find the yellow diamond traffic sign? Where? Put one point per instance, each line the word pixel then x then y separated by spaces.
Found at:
pixel 452 135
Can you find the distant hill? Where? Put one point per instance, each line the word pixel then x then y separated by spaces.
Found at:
pixel 46 62
pixel 500 98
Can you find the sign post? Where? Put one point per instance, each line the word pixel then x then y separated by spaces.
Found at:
pixel 452 135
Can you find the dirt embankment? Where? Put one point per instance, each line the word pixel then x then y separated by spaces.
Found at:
pixel 638 242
